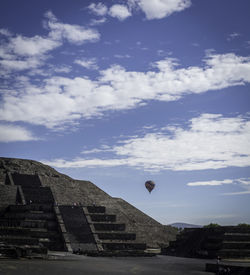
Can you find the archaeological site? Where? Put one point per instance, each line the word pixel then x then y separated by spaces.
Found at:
pixel 43 210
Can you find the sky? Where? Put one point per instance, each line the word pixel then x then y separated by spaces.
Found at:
pixel 120 92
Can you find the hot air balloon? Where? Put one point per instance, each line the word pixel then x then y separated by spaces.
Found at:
pixel 150 185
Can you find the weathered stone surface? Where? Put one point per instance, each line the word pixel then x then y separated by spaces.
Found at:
pixel 67 191
pixel 24 166
pixel 223 241
pixel 8 194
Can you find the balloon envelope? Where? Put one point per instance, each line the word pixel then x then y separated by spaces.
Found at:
pixel 150 185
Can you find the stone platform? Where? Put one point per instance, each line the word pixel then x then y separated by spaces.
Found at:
pixel 226 242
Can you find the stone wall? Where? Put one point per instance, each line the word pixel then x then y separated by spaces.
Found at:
pixel 8 194
pixel 69 191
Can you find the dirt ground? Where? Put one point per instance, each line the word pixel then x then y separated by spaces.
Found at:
pixel 76 265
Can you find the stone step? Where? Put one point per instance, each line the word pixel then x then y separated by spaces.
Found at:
pixel 16 251
pixel 33 232
pixel 19 240
pixel 51 225
pixel 234 253
pixel 52 236
pixel 37 215
pixel 109 226
pixel 96 209
pixel 238 229
pixel 42 237
pixel 117 241
pixel 21 231
pixel 237 237
pixel 236 245
pixel 32 199
pixel 116 236
pixel 38 249
pixel 31 207
pixel 34 223
pixel 49 243
pixel 102 218
pixel 120 253
pixel 13 231
pixel 10 223
pixel 37 212
pixel 123 246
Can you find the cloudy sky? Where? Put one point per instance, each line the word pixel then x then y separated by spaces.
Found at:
pixel 119 92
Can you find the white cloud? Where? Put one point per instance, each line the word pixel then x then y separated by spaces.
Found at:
pixel 61 69
pixel 12 133
pixel 73 33
pixel 5 32
pixel 88 63
pixel 122 56
pixel 247 192
pixel 211 182
pixel 233 36
pixel 98 9
pixel 158 9
pixel 197 148
pixel 30 46
pixel 103 149
pixel 79 162
pixel 19 65
pixel 243 183
pixel 169 83
pixel 21 53
pixel 153 9
pixel 58 100
pixel 121 12
pixel 95 22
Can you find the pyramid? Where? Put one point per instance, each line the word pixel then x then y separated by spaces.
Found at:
pixel 43 210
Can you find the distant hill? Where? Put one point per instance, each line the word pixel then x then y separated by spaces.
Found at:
pixel 183 225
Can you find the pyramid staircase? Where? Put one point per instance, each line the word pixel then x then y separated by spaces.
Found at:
pixel 111 236
pixel 90 230
pixel 224 241
pixel 37 224
pixel 30 227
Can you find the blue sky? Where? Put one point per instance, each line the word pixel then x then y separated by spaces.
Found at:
pixel 120 92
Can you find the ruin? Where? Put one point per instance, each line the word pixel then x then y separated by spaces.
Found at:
pixel 225 242
pixel 42 209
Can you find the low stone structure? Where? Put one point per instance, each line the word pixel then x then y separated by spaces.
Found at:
pixel 225 242
pixel 41 209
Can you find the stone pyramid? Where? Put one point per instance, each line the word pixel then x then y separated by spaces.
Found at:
pixel 44 209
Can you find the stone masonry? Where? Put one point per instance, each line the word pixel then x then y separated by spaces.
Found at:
pixel 87 218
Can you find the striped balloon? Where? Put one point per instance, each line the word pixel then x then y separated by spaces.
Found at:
pixel 150 185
